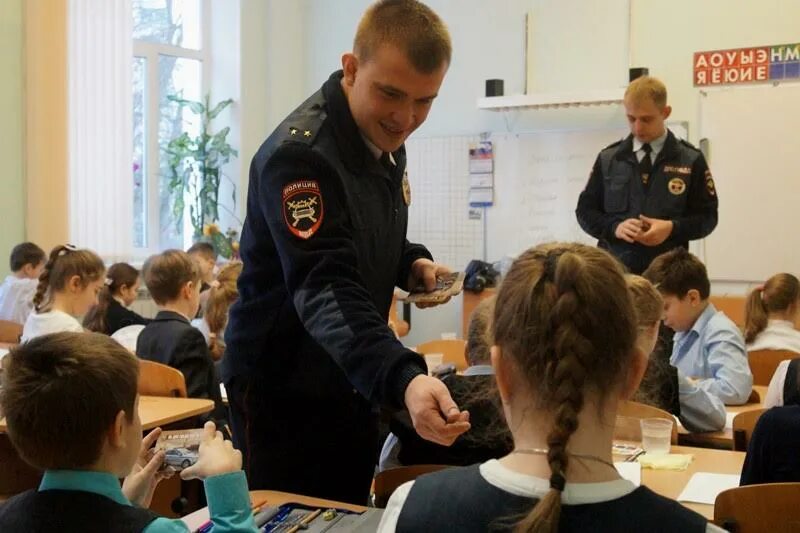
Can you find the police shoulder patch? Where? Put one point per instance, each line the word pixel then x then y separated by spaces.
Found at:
pixel 302 208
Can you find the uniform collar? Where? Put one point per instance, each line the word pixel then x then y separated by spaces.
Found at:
pixel 627 147
pixel 102 483
pixel 657 144
pixel 357 151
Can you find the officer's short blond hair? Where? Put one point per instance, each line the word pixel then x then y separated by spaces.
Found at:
pixel 647 88
pixel 409 25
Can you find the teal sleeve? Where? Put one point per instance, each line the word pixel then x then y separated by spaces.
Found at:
pixel 228 504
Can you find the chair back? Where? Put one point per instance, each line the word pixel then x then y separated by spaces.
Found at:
pixel 764 362
pixel 156 379
pixel 629 414
pixel 743 425
pixel 400 326
pixel 732 306
pixel 451 349
pixel 386 482
pixel 10 331
pixel 757 508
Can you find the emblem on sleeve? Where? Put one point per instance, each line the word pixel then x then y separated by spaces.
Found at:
pixel 710 187
pixel 406 189
pixel 302 208
pixel 676 186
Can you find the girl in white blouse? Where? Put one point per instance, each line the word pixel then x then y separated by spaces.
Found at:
pixel 770 315
pixel 67 289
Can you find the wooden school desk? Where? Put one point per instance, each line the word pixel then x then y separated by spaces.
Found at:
pixel 670 483
pixel 272 497
pixel 722 439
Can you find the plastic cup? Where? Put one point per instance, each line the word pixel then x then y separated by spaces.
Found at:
pixel 656 435
pixel 433 360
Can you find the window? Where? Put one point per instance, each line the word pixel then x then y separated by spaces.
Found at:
pixel 169 59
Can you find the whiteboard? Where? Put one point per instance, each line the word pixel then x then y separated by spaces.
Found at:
pixel 753 155
pixel 537 180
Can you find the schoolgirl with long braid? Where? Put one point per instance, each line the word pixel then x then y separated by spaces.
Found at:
pixel 67 289
pixel 565 353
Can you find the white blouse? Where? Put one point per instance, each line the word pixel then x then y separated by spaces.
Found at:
pixel 778 335
pixel 54 321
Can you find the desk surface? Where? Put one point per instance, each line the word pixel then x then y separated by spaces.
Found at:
pixel 670 483
pixel 724 438
pixel 272 497
pixel 156 411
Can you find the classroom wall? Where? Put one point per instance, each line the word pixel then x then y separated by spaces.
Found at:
pixel 46 158
pixel 488 40
pixel 12 183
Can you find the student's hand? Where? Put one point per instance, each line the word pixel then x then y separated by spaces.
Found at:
pixel 424 272
pixel 435 415
pixel 140 484
pixel 216 456
pixel 628 230
pixel 657 232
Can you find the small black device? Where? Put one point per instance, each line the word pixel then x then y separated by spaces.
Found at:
pixel 494 87
pixel 637 72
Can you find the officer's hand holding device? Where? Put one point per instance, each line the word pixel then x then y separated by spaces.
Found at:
pixel 424 273
pixel 435 415
pixel 628 230
pixel 657 232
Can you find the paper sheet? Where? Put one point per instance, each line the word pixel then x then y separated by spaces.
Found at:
pixel 729 420
pixel 223 392
pixel 630 471
pixel 704 487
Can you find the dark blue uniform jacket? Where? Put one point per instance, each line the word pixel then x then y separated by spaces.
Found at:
pixel 323 244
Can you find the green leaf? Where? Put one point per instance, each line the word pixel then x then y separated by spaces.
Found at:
pixel 222 245
pixel 218 108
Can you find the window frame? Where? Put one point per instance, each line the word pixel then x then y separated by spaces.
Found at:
pixel 150 52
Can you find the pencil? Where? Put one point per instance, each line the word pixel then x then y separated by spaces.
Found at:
pixel 305 521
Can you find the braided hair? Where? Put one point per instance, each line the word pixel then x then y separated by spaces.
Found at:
pixel 564 316
pixel 64 262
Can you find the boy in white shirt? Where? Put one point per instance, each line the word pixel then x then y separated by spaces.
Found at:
pixel 17 290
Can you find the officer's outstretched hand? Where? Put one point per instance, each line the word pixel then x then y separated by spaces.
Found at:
pixel 424 272
pixel 656 232
pixel 435 415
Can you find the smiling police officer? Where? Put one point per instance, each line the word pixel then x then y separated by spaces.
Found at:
pixel 650 192
pixel 310 356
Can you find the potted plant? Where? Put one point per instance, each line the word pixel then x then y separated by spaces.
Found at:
pixel 195 172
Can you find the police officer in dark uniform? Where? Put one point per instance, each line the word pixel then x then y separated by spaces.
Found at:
pixel 650 192
pixel 310 356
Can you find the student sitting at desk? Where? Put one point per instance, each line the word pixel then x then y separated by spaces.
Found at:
pixel 17 290
pixel 71 408
pixel 488 438
pixel 565 353
pixel 699 409
pixel 708 347
pixel 772 451
pixel 119 291
pixel 173 280
pixel 67 289
pixel 770 315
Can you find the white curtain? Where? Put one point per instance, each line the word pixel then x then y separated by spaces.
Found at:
pixel 100 101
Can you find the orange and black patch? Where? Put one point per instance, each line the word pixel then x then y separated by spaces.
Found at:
pixel 302 208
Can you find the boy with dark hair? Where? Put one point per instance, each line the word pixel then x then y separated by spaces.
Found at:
pixel 71 408
pixel 708 348
pixel 17 290
pixel 173 280
pixel 206 258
